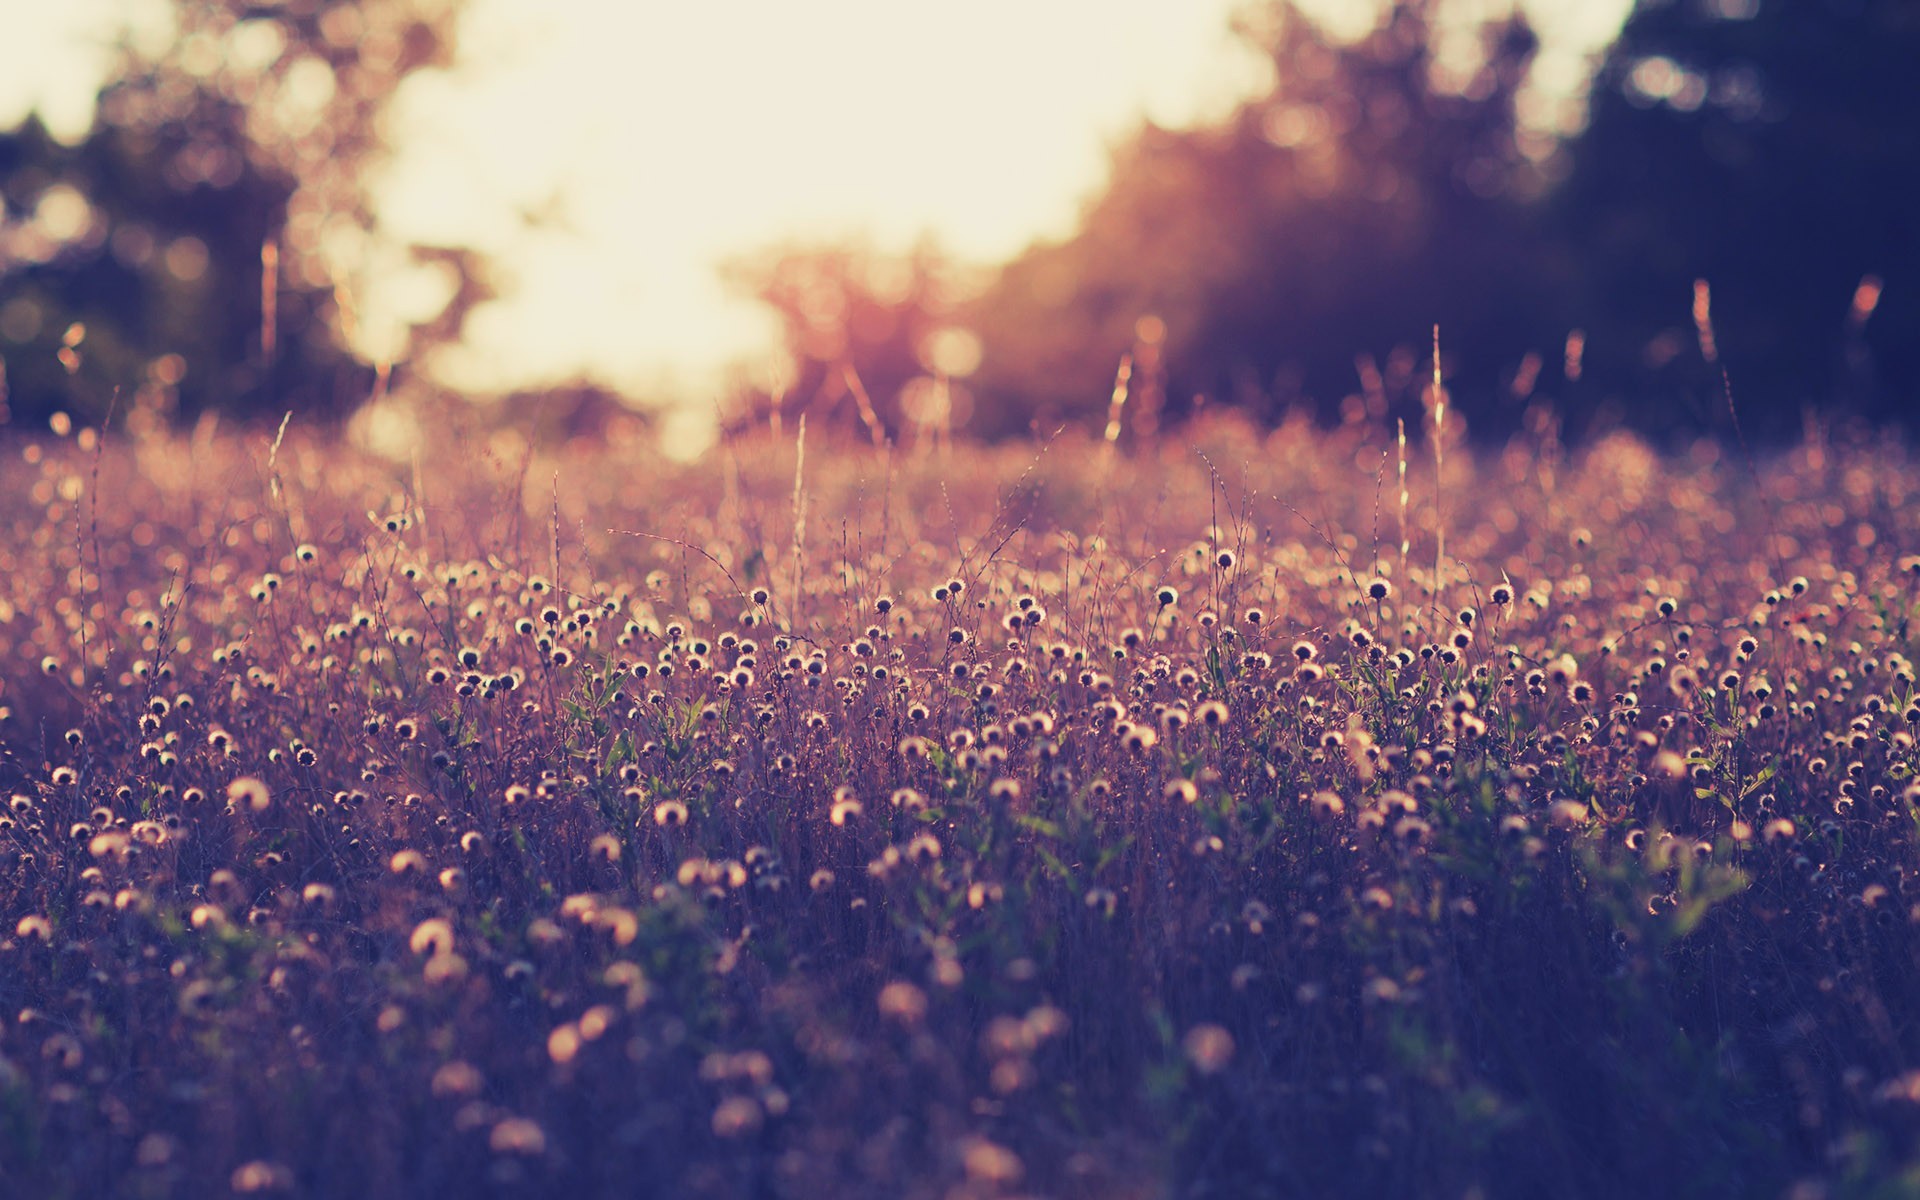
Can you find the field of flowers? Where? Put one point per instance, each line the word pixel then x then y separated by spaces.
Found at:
pixel 1206 819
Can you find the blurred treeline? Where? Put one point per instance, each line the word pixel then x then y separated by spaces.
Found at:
pixel 198 249
pixel 1300 252
pixel 1296 254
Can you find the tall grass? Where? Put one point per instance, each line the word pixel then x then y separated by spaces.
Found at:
pixel 1052 839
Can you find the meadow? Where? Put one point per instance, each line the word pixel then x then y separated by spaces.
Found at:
pixel 1216 817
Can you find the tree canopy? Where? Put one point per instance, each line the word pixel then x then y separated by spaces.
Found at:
pixel 1767 148
pixel 1299 253
pixel 198 249
pixel 194 251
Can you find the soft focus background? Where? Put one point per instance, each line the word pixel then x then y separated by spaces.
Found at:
pixel 1439 720
pixel 928 221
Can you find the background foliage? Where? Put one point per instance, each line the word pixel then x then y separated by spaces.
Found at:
pixel 254 124
pixel 1299 253
pixel 1293 255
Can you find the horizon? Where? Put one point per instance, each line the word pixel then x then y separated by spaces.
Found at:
pixel 546 148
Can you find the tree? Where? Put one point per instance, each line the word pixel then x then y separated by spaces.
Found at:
pixel 193 252
pixel 1768 148
pixel 1339 216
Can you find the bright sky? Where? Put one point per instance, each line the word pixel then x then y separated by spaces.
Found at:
pixel 673 135
pixel 663 136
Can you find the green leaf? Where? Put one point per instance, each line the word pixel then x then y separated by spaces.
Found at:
pixel 1765 773
pixel 1057 868
pixel 1112 852
pixel 1039 825
pixel 619 752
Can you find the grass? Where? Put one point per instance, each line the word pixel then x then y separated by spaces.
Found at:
pixel 1004 822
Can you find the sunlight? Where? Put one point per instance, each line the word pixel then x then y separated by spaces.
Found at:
pixel 1094 598
pixel 611 160
pixel 607 155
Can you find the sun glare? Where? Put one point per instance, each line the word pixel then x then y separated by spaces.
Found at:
pixel 607 155
pixel 613 156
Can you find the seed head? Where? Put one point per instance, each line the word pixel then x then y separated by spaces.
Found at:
pixel 1209 1048
pixel 250 792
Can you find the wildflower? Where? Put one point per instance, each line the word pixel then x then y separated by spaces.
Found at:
pixel 845 807
pixel 990 1164
pixel 261 1176
pixel 1381 990
pixel 979 895
pixel 251 792
pixel 903 1002
pixel 563 1044
pixel 1569 814
pixel 1209 1048
pixel 156 1150
pixel 517 1135
pixel 736 1116
pixel 457 1080
pixel 1562 671
pixel 432 937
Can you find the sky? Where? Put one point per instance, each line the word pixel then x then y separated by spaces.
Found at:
pixel 609 153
